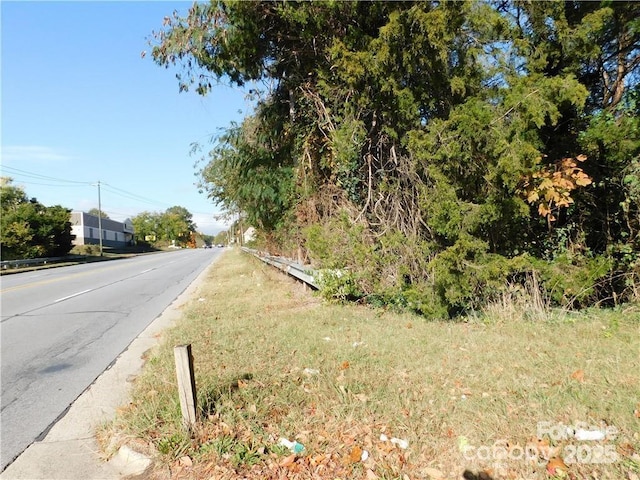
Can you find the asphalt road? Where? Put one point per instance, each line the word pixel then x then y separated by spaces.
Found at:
pixel 61 328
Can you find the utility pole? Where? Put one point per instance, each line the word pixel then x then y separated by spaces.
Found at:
pixel 99 217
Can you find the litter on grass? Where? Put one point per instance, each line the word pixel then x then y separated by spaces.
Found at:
pixel 294 446
pixel 403 444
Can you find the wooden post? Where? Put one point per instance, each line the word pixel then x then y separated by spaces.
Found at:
pixel 186 384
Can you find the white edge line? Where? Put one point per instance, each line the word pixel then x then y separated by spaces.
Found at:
pixel 71 296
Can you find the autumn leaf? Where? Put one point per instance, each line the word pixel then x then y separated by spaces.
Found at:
pixel 355 455
pixel 318 459
pixel 543 210
pixel 556 465
pixel 578 375
pixel 285 462
pixel 344 365
pixel 553 189
pixel 583 180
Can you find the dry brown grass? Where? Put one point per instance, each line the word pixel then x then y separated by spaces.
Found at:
pixel 273 361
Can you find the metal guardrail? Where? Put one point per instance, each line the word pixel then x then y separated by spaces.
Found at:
pixel 288 266
pixel 6 264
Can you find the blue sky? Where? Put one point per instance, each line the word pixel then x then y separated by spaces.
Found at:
pixel 79 104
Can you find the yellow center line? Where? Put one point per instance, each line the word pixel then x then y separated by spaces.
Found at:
pixel 58 279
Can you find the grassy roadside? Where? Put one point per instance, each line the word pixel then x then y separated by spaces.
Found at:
pixel 273 361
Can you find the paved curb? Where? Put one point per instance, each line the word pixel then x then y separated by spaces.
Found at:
pixel 69 451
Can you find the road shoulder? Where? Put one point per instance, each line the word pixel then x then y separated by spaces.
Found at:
pixel 69 450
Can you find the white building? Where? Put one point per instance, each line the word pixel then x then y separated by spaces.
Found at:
pixel 86 228
pixel 249 235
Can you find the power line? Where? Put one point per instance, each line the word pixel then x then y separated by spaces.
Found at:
pixel 49 184
pixel 39 176
pixel 65 183
pixel 131 196
pixel 75 183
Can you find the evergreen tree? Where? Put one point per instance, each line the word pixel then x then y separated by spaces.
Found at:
pixel 480 142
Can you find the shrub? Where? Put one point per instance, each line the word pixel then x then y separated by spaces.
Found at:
pixel 89 250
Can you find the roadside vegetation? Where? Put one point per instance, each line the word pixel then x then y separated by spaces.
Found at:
pixel 372 393
pixel 29 229
pixel 174 227
pixel 438 153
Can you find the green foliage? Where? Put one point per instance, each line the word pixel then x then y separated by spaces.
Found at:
pixel 613 141
pixel 29 229
pixel 246 175
pixel 98 213
pixel 221 238
pixel 174 445
pixel 175 224
pixel 424 150
pixel 575 280
pixel 90 250
pixel 465 276
pixel 337 285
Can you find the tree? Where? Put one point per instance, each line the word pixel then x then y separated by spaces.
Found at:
pixel 29 229
pixel 98 213
pixel 478 141
pixel 221 238
pixel 147 226
pixel 175 224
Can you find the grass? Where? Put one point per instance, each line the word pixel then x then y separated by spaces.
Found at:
pixel 272 360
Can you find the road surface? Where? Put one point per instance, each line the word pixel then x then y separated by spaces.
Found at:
pixel 62 327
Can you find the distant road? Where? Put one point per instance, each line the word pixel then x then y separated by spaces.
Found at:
pixel 62 327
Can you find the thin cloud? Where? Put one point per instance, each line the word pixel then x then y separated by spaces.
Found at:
pixel 208 224
pixel 24 153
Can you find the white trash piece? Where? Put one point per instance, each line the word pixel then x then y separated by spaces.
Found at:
pixel 403 444
pixel 294 446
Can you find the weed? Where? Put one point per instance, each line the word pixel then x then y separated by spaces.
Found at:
pixel 271 361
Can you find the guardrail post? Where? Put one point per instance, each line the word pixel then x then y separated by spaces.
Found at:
pixel 186 384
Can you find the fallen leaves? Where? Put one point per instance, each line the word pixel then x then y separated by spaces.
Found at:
pixel 355 455
pixel 286 461
pixel 578 375
pixel 556 466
